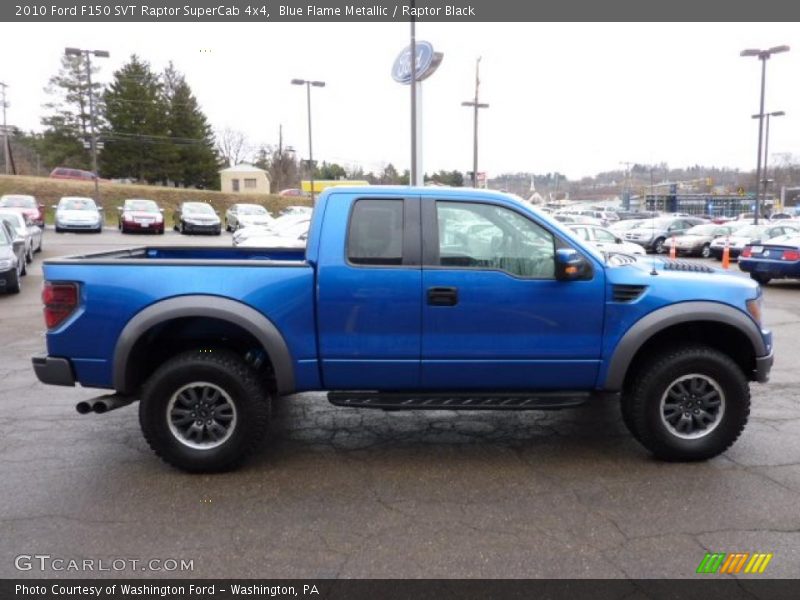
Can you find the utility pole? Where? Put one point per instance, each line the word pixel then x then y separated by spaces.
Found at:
pixel 308 84
pixel 475 104
pixel 5 128
pixel 280 159
pixel 412 175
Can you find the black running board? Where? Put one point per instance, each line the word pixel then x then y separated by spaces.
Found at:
pixel 460 401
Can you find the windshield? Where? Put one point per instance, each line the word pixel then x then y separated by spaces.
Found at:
pixel 252 209
pixel 15 219
pixel 750 231
pixel 4 241
pixel 17 202
pixel 199 208
pixel 706 229
pixel 141 205
pixel 656 223
pixel 77 204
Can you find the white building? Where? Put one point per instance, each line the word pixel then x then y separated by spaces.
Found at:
pixel 244 179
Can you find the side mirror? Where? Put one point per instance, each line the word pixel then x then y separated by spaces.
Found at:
pixel 617 240
pixel 119 209
pixel 100 208
pixel 161 210
pixel 54 207
pixel 41 206
pixel 571 265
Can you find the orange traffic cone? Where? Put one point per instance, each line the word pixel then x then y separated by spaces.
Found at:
pixel 672 248
pixel 726 255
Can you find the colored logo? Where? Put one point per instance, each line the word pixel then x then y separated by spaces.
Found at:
pixel 736 562
pixel 427 62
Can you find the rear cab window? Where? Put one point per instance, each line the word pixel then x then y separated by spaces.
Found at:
pixel 375 233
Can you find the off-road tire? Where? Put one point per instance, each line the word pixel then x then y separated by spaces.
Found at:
pixel 642 411
pixel 224 369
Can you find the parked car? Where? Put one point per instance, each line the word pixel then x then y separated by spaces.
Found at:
pixel 652 234
pixel 32 234
pixel 291 237
pixel 75 213
pixel 296 210
pixel 197 217
pixel 243 215
pixel 12 259
pixel 573 219
pixel 68 173
pixel 293 192
pixel 750 234
pixel 697 240
pixel 781 216
pixel 27 205
pixel 778 258
pixel 139 214
pixel 605 240
pixel 620 227
pixel 286 226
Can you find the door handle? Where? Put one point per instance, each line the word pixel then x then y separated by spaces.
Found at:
pixel 442 296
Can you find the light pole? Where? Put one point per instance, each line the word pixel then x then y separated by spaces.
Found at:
pixel 777 113
pixel 308 84
pixel 87 54
pixel 5 128
pixel 475 106
pixel 763 56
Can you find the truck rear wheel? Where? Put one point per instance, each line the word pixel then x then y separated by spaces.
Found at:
pixel 204 411
pixel 690 403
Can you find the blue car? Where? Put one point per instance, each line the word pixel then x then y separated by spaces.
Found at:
pixel 779 258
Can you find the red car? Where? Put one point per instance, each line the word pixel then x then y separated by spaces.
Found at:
pixel 27 205
pixel 138 214
pixel 76 174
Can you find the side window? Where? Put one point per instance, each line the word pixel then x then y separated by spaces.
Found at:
pixel 582 233
pixel 604 236
pixel 375 235
pixel 483 236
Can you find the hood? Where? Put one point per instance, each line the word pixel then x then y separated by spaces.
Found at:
pixel 78 215
pixel 255 219
pixel 6 251
pixel 202 218
pixel 140 214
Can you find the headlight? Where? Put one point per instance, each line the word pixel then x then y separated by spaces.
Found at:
pixel 5 264
pixel 754 307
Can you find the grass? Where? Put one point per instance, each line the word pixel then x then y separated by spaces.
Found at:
pixel 49 191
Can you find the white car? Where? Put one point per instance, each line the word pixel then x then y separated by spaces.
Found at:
pixel 245 215
pixel 747 235
pixel 78 214
pixel 291 237
pixel 31 233
pixel 605 240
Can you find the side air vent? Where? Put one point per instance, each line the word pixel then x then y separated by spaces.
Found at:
pixel 627 293
pixel 685 265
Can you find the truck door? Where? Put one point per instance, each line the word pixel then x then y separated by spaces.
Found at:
pixel 493 314
pixel 369 294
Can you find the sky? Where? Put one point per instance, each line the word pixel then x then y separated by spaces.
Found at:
pixel 577 98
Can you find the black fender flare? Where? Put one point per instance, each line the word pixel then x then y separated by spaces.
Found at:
pixel 199 305
pixel 660 319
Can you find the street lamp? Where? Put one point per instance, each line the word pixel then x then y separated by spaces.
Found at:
pixel 777 113
pixel 308 84
pixel 763 56
pixel 475 106
pixel 87 54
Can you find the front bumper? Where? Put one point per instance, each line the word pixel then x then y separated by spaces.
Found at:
pixel 78 226
pixel 53 371
pixel 8 277
pixel 154 226
pixel 192 228
pixel 763 366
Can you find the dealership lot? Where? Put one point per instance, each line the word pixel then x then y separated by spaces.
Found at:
pixel 356 493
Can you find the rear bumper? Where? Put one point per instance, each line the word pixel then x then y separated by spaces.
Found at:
pixel 763 367
pixel 53 371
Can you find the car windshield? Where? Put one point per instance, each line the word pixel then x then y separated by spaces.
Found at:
pixel 17 202
pixel 198 208
pixel 77 204
pixel 252 209
pixel 751 231
pixel 4 241
pixel 707 229
pixel 141 205
pixel 14 218
pixel 656 223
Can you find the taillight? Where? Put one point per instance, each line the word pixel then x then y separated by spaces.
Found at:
pixel 790 255
pixel 747 252
pixel 60 300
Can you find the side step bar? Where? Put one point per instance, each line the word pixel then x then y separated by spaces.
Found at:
pixel 460 401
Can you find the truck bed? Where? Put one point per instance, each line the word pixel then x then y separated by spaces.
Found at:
pixel 186 255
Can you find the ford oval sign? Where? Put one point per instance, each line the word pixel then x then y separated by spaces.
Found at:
pixel 427 62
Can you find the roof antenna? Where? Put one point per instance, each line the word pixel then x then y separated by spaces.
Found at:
pixel 653 220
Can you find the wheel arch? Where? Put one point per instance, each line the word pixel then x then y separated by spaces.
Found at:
pixel 717 325
pixel 235 313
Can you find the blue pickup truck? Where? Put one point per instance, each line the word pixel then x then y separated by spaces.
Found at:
pixel 404 299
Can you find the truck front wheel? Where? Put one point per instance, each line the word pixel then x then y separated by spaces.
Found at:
pixel 690 403
pixel 204 411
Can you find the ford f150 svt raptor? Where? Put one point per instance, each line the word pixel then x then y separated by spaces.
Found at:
pixel 405 298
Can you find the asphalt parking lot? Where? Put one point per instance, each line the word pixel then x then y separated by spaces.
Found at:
pixel 356 493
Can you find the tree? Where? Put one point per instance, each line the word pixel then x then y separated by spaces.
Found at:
pixel 282 166
pixel 330 171
pixel 137 141
pixel 193 156
pixel 233 146
pixel 389 176
pixel 67 125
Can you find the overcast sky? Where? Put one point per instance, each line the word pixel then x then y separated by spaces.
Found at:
pixel 573 98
